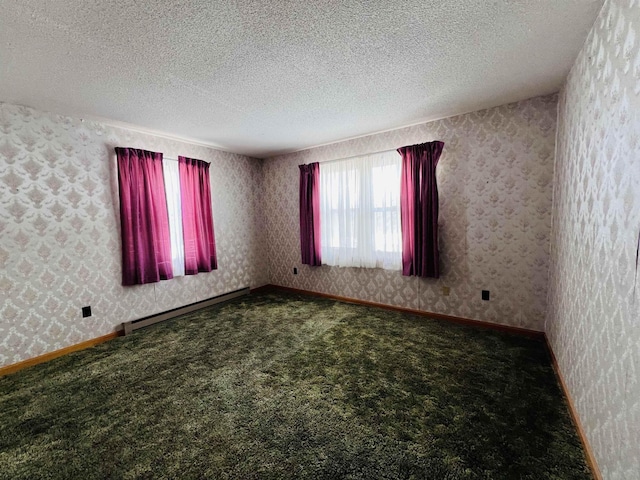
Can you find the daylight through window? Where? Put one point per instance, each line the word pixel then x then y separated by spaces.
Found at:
pixel 360 211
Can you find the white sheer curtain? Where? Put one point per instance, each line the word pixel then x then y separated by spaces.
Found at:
pixel 174 207
pixel 360 211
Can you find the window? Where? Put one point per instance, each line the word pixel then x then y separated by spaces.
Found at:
pixel 360 212
pixel 188 193
pixel 165 217
pixel 174 209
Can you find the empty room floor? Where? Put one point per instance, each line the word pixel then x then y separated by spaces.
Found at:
pixel 281 385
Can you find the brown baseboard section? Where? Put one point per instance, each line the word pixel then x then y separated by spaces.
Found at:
pixel 591 459
pixel 262 289
pixel 439 316
pixel 57 353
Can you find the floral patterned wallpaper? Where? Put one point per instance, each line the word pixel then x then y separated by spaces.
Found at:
pixel 495 183
pixel 60 246
pixel 59 230
pixel 593 319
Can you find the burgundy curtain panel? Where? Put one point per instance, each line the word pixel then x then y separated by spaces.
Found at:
pixel 197 219
pixel 310 214
pixel 146 245
pixel 419 209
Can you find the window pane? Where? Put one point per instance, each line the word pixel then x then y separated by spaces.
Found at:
pixel 360 211
pixel 174 208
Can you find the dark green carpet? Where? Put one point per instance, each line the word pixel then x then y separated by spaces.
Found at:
pixel 286 386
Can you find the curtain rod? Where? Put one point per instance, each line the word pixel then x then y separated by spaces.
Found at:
pixel 175 159
pixel 358 156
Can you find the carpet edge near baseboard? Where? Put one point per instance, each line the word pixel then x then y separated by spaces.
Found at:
pixel 591 459
pixel 30 362
pixel 537 334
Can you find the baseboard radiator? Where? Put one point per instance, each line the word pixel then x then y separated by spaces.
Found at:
pixel 129 327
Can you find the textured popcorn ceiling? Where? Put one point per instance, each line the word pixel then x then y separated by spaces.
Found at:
pixel 266 77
